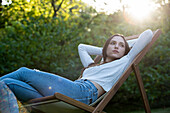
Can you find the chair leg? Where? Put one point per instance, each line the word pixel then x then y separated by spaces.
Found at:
pixel 141 87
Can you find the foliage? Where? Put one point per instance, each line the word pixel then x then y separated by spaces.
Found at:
pixel 32 39
pixel 31 36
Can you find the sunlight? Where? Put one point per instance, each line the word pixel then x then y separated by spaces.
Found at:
pixel 136 9
pixel 139 9
pixel 7 2
pixel 107 6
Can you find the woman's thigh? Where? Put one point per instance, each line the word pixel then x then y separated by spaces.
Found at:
pixel 22 91
pixel 45 83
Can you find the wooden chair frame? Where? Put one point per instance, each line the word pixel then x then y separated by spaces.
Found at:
pixel 99 108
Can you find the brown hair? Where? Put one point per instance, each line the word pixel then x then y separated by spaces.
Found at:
pixel 127 49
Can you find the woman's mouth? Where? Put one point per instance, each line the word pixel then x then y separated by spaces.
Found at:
pixel 115 51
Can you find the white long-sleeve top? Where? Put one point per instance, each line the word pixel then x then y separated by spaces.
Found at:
pixel 106 75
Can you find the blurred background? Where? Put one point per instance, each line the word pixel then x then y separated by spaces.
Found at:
pixel 44 34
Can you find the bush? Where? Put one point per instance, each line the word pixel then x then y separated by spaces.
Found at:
pixel 47 46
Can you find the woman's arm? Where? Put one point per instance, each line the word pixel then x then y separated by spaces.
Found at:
pixel 85 51
pixel 140 44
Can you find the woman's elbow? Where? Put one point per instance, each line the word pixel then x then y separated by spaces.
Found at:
pixel 80 46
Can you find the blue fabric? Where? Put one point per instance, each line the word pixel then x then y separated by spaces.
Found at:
pixel 28 84
pixel 8 101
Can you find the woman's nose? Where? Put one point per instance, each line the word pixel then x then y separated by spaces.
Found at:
pixel 116 46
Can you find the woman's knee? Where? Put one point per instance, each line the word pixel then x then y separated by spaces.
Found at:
pixel 23 69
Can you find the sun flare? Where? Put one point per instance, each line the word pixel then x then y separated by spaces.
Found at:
pixel 139 9
pixel 136 9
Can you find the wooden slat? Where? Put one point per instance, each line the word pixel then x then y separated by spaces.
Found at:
pixel 131 37
pixel 146 49
pixel 74 102
pixel 41 103
pixel 97 59
pixel 41 99
pixel 141 87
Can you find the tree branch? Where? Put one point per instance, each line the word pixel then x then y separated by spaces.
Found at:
pixel 0 5
pixel 54 8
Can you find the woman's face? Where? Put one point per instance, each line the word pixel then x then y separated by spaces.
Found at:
pixel 115 49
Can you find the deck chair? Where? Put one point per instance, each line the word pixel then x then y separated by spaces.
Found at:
pixel 59 103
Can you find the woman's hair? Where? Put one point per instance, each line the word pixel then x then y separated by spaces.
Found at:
pixel 127 49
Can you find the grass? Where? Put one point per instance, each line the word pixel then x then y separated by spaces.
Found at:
pixel 157 110
pixel 160 110
pixel 130 108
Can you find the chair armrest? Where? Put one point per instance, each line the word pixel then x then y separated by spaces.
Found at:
pixel 74 102
pixel 132 37
pixel 97 59
pixel 47 98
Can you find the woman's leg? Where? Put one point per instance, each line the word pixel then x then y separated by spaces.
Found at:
pixel 8 102
pixel 47 84
pixel 22 90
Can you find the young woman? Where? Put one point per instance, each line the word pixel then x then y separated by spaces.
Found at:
pixel 96 79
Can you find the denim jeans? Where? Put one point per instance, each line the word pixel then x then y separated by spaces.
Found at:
pixel 28 84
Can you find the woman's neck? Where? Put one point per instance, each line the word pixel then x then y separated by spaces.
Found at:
pixel 108 59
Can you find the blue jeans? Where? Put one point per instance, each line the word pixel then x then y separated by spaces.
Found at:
pixel 29 84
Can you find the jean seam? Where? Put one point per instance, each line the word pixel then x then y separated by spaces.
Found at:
pixel 94 91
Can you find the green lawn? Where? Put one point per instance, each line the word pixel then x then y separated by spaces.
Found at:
pixel 166 110
pixel 133 109
pixel 159 110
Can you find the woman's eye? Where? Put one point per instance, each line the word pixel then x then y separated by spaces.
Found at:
pixel 113 43
pixel 122 45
